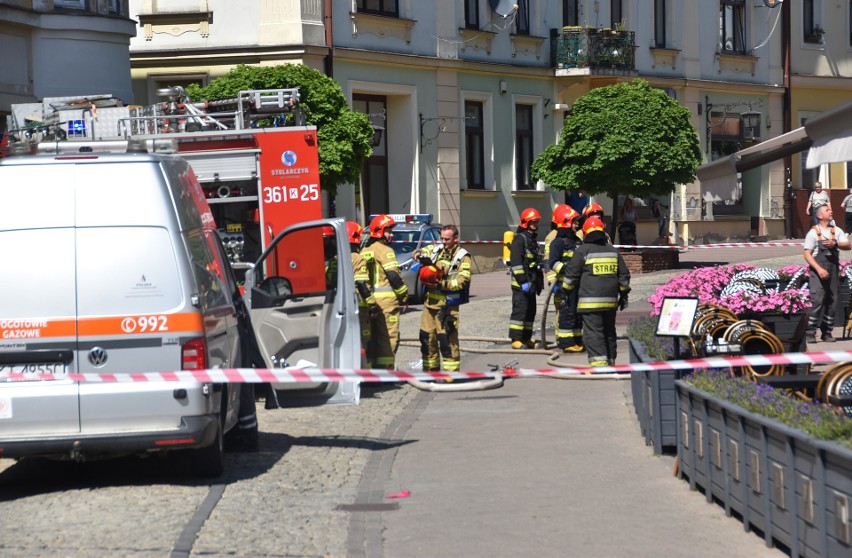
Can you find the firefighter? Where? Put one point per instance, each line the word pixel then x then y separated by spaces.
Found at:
pixel 569 333
pixel 388 288
pixel 527 279
pixel 329 247
pixel 367 307
pixel 548 240
pixel 592 210
pixel 447 281
pixel 600 277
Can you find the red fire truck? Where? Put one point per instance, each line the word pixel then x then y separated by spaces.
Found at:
pixel 256 160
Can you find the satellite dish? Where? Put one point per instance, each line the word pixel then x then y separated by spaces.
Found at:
pixel 503 8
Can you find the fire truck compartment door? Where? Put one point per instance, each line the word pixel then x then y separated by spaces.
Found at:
pixel 223 166
pixel 301 293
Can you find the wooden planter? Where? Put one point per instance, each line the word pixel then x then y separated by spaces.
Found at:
pixel 794 488
pixel 654 401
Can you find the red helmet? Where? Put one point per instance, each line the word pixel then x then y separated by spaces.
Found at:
pixel 430 275
pixel 591 225
pixel 380 224
pixel 566 217
pixel 557 212
pixel 327 232
pixel 529 214
pixel 593 208
pixel 354 231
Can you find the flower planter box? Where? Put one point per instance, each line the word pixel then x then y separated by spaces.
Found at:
pixel 844 293
pixel 795 489
pixel 654 401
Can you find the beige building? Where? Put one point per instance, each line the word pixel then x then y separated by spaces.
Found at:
pixel 468 94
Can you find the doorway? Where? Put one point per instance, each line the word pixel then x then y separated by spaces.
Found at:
pixel 371 195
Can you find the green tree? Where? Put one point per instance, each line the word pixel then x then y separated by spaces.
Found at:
pixel 627 138
pixel 343 134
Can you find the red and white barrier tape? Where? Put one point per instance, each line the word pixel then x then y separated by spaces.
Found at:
pixel 301 375
pixel 675 246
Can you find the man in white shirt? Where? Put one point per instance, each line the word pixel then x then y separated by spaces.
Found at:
pixel 822 245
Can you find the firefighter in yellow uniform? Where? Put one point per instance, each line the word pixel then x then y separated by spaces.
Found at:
pixel 447 281
pixel 388 288
pixel 367 306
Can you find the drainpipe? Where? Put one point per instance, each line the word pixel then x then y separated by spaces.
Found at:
pixel 329 38
pixel 787 120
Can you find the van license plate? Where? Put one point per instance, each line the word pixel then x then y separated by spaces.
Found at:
pixel 29 372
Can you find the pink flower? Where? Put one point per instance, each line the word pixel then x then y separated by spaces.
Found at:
pixel 707 283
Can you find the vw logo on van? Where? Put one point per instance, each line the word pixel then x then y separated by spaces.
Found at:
pixel 98 357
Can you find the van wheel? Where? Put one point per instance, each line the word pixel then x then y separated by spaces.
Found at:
pixel 209 462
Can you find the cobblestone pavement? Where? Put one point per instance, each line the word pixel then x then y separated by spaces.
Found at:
pixel 282 501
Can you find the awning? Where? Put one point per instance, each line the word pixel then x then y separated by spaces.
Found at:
pixel 831 132
pixel 828 135
pixel 719 178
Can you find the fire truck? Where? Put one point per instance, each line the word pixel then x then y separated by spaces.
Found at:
pixel 256 160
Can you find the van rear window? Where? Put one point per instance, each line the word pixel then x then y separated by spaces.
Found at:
pixel 126 270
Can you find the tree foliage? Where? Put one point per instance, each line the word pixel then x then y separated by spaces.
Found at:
pixel 627 138
pixel 343 134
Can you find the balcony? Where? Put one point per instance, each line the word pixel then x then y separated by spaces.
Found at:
pixel 577 51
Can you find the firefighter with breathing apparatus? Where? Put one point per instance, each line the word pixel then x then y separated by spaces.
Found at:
pixel 445 273
pixel 527 279
pixel 569 332
pixel 389 289
pixel 550 275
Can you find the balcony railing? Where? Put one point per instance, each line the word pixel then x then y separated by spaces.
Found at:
pixel 595 49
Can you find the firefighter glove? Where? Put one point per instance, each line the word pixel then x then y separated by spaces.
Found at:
pixel 526 287
pixel 556 288
pixel 622 301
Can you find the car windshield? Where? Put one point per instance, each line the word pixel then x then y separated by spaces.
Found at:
pixel 405 241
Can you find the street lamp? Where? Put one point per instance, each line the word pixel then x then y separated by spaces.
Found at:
pixel 750 125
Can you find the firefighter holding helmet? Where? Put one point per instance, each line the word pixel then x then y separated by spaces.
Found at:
pixel 527 279
pixel 388 288
pixel 600 277
pixel 569 332
pixel 446 275
pixel 367 306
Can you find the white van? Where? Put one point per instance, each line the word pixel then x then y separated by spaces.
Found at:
pixel 112 265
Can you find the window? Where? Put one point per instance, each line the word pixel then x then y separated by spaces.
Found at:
pixel 474 145
pixel 523 146
pixel 71 4
pixel 732 27
pixel 616 13
pixel 378 7
pixel 471 14
pixel 660 23
pixel 522 17
pixel 570 13
pixel 812 31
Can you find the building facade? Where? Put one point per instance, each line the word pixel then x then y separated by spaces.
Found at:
pixel 467 93
pixel 55 48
